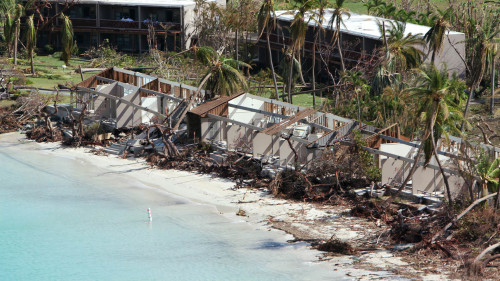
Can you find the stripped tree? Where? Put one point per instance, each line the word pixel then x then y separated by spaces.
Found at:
pixel 67 38
pixel 267 23
pixel 31 40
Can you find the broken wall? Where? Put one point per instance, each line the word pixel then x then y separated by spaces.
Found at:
pixel 126 115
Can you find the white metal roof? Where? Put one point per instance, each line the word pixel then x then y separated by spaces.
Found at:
pixel 150 3
pixel 358 24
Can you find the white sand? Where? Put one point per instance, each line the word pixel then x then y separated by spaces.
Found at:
pixel 303 219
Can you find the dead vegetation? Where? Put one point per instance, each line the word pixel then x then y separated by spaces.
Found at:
pixel 469 239
pixel 337 246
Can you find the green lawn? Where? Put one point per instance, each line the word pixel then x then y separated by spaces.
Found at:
pixel 305 100
pixel 50 72
pixel 357 6
pixel 51 81
pixel 7 103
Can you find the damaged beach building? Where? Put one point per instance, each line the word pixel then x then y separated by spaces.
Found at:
pixel 126 98
pixel 281 135
pixel 119 99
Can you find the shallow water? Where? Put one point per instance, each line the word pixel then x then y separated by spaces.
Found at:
pixel 63 219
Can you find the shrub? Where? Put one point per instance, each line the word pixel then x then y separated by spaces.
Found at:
pixel 48 49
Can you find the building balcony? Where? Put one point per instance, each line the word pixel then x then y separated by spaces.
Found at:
pixel 280 42
pixel 84 22
pixel 125 24
pixel 120 24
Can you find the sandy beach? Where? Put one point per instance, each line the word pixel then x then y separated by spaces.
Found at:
pixel 301 221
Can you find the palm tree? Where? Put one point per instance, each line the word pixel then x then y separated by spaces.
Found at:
pixel 489 172
pixel 19 10
pixel 31 40
pixel 290 69
pixel 374 5
pixel 7 5
pixel 437 109
pixel 223 76
pixel 359 84
pixel 484 44
pixel 337 19
pixel 67 38
pixel 402 52
pixel 267 21
pixel 435 36
pixel 318 17
pixel 9 32
pixel 493 55
pixel 298 29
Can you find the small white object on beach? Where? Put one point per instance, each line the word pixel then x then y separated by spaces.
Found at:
pixel 149 214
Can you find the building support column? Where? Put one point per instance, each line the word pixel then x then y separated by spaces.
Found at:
pixel 139 18
pixel 140 43
pixel 98 15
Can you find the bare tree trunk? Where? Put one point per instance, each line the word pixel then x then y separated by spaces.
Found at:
pixel 427 133
pixel 407 179
pixel 487 250
pixel 191 102
pixel 290 75
pixel 340 50
pixel 31 62
pixel 466 110
pixel 269 53
pixel 359 107
pixel 314 68
pixel 16 38
pixel 301 74
pixel 471 206
pixel 445 179
pixel 492 103
pixel 236 44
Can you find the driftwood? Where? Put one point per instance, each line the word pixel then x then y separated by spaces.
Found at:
pixel 476 266
pixel 471 206
pixel 169 149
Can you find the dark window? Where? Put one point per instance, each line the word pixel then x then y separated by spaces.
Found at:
pixel 169 16
pixel 351 42
pixel 371 45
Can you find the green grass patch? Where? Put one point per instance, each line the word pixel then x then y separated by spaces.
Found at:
pixel 304 100
pixel 7 103
pixel 356 6
pixel 50 72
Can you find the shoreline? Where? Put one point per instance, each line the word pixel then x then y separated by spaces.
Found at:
pixel 303 221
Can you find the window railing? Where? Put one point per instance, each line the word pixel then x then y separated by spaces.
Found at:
pixel 308 46
pixel 159 26
pixel 125 24
pixel 84 22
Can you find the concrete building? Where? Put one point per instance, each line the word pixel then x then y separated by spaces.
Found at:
pixel 124 23
pixel 131 98
pixel 359 37
pixel 274 131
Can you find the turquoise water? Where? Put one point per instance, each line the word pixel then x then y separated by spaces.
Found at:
pixel 62 219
